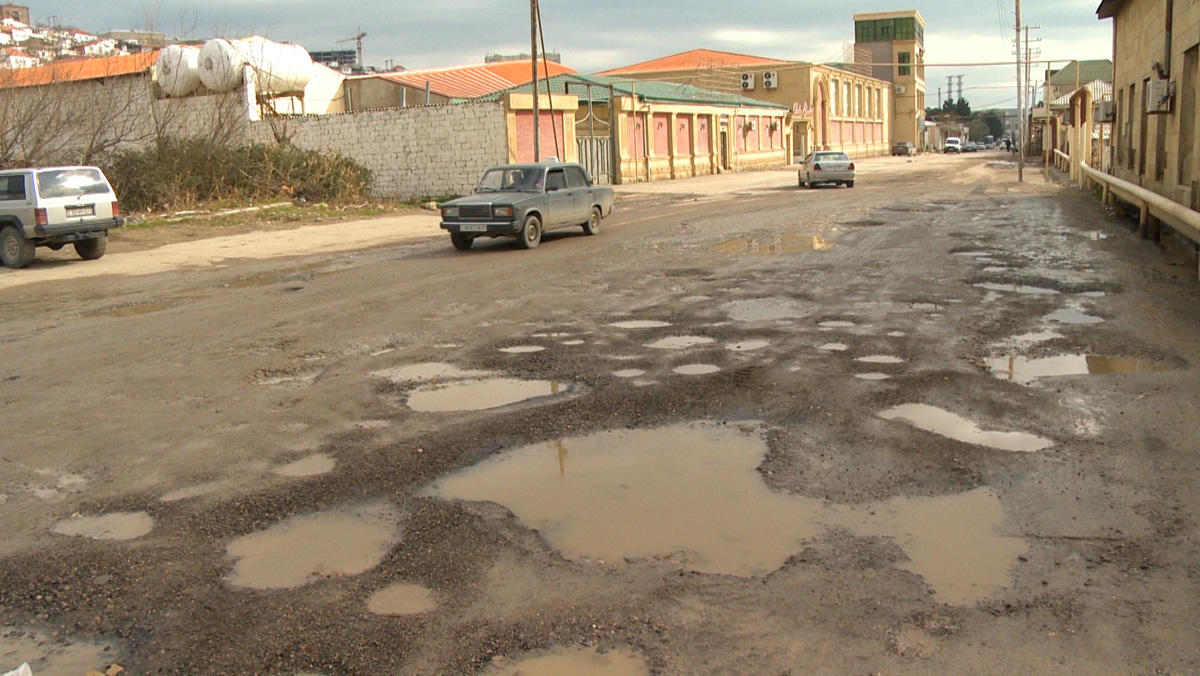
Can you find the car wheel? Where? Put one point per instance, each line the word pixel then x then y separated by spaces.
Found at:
pixel 531 232
pixel 15 250
pixel 461 241
pixel 592 227
pixel 849 184
pixel 91 249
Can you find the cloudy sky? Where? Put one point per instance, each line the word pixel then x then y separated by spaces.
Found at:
pixel 593 36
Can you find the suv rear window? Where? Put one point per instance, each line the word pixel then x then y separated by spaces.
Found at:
pixel 70 182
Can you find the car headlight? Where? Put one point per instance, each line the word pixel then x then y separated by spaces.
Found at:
pixel 505 212
pixel 449 212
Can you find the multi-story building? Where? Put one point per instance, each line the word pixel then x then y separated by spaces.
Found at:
pixel 891 47
pixel 1156 133
pixel 16 12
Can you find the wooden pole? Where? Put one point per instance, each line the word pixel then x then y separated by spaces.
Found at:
pixel 1020 108
pixel 533 43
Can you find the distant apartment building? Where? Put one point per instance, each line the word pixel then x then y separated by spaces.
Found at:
pixel 891 45
pixel 1156 56
pixel 15 12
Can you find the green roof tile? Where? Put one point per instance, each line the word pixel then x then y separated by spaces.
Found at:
pixel 646 90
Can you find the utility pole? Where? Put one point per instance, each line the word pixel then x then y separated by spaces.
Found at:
pixel 1020 107
pixel 533 32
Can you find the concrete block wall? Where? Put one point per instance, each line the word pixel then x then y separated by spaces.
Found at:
pixel 418 152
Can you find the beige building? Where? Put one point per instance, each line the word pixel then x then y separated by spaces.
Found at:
pixel 891 45
pixel 832 108
pixel 1156 47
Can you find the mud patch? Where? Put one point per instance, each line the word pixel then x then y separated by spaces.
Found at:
pixel 51 655
pixel 785 243
pixel 575 660
pixel 303 549
pixel 194 491
pixel 426 372
pixel 312 465
pixel 131 310
pixel 284 377
pixel 1018 288
pixel 1073 316
pixel 402 599
pixel 478 395
pixel 944 423
pixel 764 309
pixel 1026 370
pixel 680 342
pixel 696 369
pixel 111 526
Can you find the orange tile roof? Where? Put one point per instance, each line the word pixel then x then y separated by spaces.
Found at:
pixel 694 59
pixel 471 81
pixel 74 70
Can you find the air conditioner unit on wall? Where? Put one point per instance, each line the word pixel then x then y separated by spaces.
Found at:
pixel 1105 111
pixel 1158 96
pixel 900 89
pixel 770 79
pixel 747 80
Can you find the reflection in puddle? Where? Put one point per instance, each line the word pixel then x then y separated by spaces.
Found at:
pixel 576 661
pixel 880 359
pixel 522 349
pixel 691 495
pixel 1017 288
pixel 834 347
pixel 640 324
pixel 764 309
pixel 194 491
pixel 402 599
pixel 679 342
pixel 769 246
pixel 1073 316
pixel 312 465
pixel 426 371
pixel 112 526
pixel 629 373
pixel 874 375
pixel 1026 370
pixel 696 369
pixel 747 345
pixel 477 395
pixel 302 549
pixel 51 654
pixel 947 424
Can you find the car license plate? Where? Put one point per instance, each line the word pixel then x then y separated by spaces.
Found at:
pixel 473 227
pixel 81 210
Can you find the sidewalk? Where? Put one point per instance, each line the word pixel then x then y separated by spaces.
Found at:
pixel 759 180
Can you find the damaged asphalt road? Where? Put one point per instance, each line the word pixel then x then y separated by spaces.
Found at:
pixel 936 422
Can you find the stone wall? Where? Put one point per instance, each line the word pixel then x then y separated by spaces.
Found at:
pixel 428 151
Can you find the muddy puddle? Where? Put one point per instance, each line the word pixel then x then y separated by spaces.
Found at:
pixel 834 347
pixel 944 423
pixel 873 375
pixel 481 394
pixel 311 465
pixel 111 526
pixel 1018 288
pixel 747 345
pixel 629 373
pixel 52 655
pixel 837 324
pixel 880 359
pixel 679 342
pixel 785 243
pixel 1026 370
pixel 402 599
pixel 640 324
pixel 426 371
pixel 691 496
pixel 764 309
pixel 696 369
pixel 573 660
pixel 1073 316
pixel 522 349
pixel 307 548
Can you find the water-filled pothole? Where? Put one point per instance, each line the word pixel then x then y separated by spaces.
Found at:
pixel 640 324
pixel 1018 288
pixel 576 661
pixel 51 654
pixel 111 526
pixel 873 375
pixel 764 309
pixel 747 345
pixel 629 373
pixel 1073 316
pixel 426 371
pixel 306 548
pixel 477 395
pixel 880 359
pixel 679 342
pixel 311 465
pixel 522 349
pixel 790 242
pixel 691 495
pixel 947 424
pixel 836 324
pixel 834 347
pixel 696 369
pixel 1026 370
pixel 402 599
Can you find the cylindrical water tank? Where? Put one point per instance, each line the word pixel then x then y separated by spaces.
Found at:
pixel 177 69
pixel 221 64
pixel 278 66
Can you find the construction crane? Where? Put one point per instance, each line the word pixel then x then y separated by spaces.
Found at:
pixel 357 40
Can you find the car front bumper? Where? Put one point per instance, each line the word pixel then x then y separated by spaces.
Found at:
pixel 482 228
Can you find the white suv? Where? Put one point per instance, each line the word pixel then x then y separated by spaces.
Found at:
pixel 53 206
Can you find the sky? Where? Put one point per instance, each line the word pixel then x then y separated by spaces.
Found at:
pixel 594 36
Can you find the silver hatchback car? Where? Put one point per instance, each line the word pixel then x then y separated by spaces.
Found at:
pixel 826 166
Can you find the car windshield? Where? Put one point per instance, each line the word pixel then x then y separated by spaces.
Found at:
pixel 71 182
pixel 836 157
pixel 510 179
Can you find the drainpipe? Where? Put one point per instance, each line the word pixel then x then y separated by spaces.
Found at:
pixel 1167 39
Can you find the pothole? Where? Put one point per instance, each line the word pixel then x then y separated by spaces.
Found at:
pixel 1073 316
pixel 402 599
pixel 679 342
pixel 1025 370
pixel 629 373
pixel 873 375
pixel 696 369
pixel 285 376
pixel 1018 288
pixel 478 395
pixel 426 371
pixel 522 349
pixel 52 654
pixel 770 246
pixel 640 324
pixel 942 422
pixel 764 309
pixel 312 465
pixel 747 345
pixel 837 324
pixel 111 526
pixel 880 359
pixel 306 548
pixel 574 660
pixel 834 347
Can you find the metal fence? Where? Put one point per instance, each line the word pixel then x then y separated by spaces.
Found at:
pixel 595 154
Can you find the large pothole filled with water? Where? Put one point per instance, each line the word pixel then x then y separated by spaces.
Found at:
pixel 486 393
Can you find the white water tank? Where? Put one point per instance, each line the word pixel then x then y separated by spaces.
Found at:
pixel 177 69
pixel 278 67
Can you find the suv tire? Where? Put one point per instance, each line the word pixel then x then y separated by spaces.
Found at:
pixel 531 232
pixel 15 250
pixel 91 249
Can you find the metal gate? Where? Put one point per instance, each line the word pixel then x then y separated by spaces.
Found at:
pixel 595 154
pixel 593 135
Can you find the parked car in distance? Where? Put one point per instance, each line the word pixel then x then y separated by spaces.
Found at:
pixel 904 148
pixel 524 201
pixel 54 206
pixel 970 147
pixel 826 166
pixel 953 144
